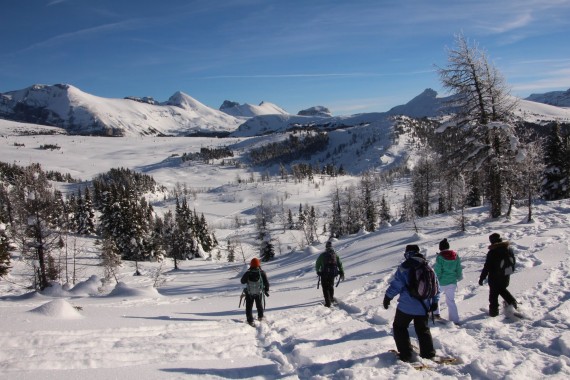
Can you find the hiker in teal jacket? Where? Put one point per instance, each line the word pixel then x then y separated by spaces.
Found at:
pixel 449 272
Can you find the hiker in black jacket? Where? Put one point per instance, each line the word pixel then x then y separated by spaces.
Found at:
pixel 499 264
pixel 257 288
pixel 328 267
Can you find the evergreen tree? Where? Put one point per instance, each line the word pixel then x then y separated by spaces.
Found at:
pixel 33 199
pixel 290 223
pixel 336 230
pixel 370 213
pixel 267 251
pixel 385 210
pixel 231 251
pixel 4 251
pixel 556 179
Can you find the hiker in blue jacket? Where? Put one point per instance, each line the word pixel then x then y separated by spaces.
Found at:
pixel 410 309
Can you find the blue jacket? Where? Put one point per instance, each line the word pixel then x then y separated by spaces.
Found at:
pixel 399 285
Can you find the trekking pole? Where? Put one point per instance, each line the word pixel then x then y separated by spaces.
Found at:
pixel 319 282
pixel 241 298
pixel 338 282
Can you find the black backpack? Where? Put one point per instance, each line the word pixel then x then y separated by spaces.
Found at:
pixel 422 282
pixel 508 264
pixel 330 267
pixel 254 283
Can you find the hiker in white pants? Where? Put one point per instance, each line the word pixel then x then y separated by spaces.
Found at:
pixel 449 272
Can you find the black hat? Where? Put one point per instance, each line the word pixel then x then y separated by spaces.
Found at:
pixel 412 248
pixel 495 238
pixel 443 245
pixel 328 244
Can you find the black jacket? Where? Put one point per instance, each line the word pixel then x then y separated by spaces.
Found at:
pixel 497 253
pixel 245 277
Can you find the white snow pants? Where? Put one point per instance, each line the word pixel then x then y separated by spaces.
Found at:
pixel 449 291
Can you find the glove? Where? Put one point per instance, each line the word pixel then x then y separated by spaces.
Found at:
pixel 481 281
pixel 319 274
pixel 266 293
pixel 434 306
pixel 386 302
pixel 342 277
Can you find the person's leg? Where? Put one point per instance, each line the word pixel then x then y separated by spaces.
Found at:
pixel 449 291
pixel 259 306
pixel 494 291
pixel 424 336
pixel 401 335
pixel 249 308
pixel 506 295
pixel 328 286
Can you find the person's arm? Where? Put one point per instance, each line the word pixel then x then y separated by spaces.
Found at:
pixel 340 267
pixel 244 277
pixel 319 264
pixel 265 281
pixel 459 270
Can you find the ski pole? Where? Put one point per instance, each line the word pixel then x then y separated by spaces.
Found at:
pixel 241 298
pixel 319 282
pixel 338 282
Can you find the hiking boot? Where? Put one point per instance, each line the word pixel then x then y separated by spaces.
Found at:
pixel 437 316
pixel 260 319
pixel 251 323
pixel 515 305
pixel 493 311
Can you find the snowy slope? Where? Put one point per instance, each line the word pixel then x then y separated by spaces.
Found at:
pixel 248 110
pixel 78 112
pixel 191 326
pixel 539 113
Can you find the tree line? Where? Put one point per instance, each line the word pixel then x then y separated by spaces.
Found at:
pixel 35 218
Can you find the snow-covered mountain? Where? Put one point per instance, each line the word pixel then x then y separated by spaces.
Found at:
pixel 267 124
pixel 316 111
pixel 248 110
pixel 67 107
pixel 77 112
pixel 426 104
pixel 554 98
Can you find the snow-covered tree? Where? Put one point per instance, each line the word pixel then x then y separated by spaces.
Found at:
pixel 482 132
pixel 556 183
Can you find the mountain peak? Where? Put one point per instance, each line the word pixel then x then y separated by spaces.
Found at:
pixel 316 111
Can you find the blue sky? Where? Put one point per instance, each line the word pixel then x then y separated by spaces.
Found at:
pixel 350 56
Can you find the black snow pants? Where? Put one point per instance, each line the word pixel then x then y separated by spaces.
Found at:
pixel 498 287
pixel 249 300
pixel 402 336
pixel 327 284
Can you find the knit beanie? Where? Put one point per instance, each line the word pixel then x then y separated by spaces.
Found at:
pixel 254 263
pixel 443 245
pixel 495 238
pixel 412 248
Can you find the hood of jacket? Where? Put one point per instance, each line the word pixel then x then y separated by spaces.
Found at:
pixel 448 254
pixel 501 244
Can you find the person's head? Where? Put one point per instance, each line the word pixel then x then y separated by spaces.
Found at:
pixel 254 263
pixel 411 251
pixel 495 238
pixel 328 244
pixel 443 245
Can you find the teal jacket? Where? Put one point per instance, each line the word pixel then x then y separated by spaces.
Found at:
pixel 448 267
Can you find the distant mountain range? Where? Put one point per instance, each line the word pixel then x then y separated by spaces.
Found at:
pixel 77 112
pixel 554 98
